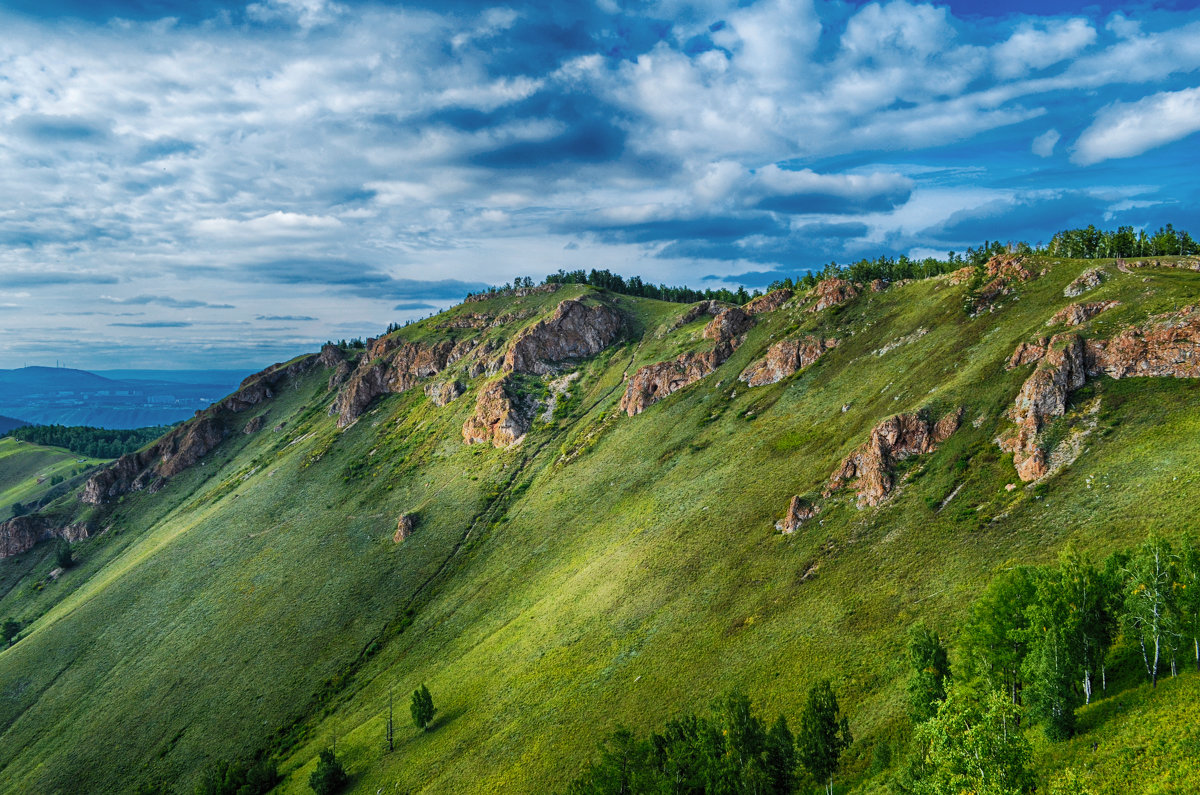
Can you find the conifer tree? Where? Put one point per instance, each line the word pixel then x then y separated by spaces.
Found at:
pixel 422 707
pixel 930 672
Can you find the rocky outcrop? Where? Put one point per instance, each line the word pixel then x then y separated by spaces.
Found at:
pixel 442 393
pixel 786 357
pixel 330 355
pixel 961 276
pixel 1001 274
pixel 392 365
pixel 339 375
pixel 254 425
pixel 696 311
pixel 832 292
pixel 21 533
pixel 575 331
pixel 502 414
pixel 799 511
pixel 727 324
pixel 1061 370
pixel 148 469
pixel 404 527
pixel 654 382
pixel 769 302
pixel 1165 346
pixel 869 468
pixel 1078 314
pixel 1088 280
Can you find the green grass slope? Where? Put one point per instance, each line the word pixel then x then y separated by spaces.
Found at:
pixel 27 471
pixel 607 570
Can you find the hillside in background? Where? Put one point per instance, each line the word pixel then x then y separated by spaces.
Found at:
pixel 8 423
pixel 116 399
pixel 566 509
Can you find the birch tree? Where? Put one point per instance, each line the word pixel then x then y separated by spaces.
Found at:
pixel 1149 600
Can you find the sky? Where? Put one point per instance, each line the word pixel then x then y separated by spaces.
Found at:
pixel 214 184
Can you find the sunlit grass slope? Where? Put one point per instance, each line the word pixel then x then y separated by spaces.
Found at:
pixel 607 570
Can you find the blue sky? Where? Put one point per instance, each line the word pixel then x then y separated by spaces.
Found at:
pixel 220 184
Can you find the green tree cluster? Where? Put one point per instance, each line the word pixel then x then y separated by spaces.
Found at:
pixel 92 442
pixel 240 778
pixel 330 777
pixel 422 708
pixel 730 750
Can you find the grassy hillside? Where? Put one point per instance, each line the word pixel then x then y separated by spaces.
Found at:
pixel 29 471
pixel 607 570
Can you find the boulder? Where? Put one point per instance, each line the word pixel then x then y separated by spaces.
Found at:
pixel 254 425
pixel 786 357
pixel 799 511
pixel 869 468
pixel 404 527
pixel 575 331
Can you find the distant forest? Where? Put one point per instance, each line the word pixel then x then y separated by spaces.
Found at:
pixel 1089 243
pixel 87 441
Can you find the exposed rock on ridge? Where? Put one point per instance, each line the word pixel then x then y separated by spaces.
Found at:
pixel 654 382
pixel 574 331
pixel 1088 280
pixel 392 365
pixel 769 302
pixel 832 292
pixel 786 357
pixel 894 439
pixel 799 511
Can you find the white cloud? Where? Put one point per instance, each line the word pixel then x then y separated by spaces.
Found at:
pixel 1128 129
pixel 1043 145
pixel 1038 45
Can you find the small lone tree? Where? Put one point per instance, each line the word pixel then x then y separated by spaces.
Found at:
pixel 823 735
pixel 63 555
pixel 12 628
pixel 422 707
pixel 329 777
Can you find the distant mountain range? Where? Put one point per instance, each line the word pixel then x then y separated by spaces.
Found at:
pixel 108 399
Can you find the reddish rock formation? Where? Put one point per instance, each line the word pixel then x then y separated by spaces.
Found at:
pixel 148 468
pixel 831 292
pixel 696 311
pixel 786 357
pixel 263 385
pixel 1088 280
pixel 502 415
pixel 1078 314
pixel 878 285
pixel 392 365
pixel 1027 353
pixel 769 302
pixel 575 331
pixel 1001 273
pixel 1061 370
pixel 404 527
pixel 894 439
pixel 1166 345
pixel 799 512
pixel 21 533
pixel 442 393
pixel 654 382
pixel 727 324
pixel 961 276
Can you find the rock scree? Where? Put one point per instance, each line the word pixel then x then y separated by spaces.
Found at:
pixel 786 357
pixel 1090 279
pixel 896 438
